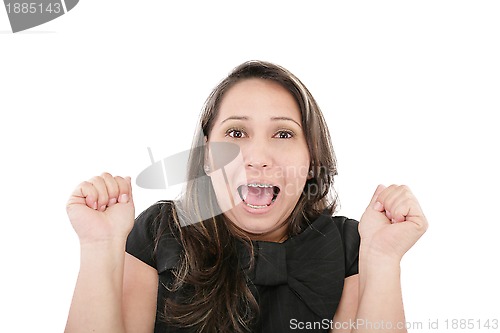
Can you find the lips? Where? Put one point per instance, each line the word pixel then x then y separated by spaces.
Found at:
pixel 258 195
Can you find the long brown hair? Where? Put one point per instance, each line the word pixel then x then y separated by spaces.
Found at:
pixel 212 296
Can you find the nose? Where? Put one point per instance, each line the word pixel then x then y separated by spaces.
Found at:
pixel 258 155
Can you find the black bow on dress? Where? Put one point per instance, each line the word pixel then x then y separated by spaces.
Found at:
pixel 311 265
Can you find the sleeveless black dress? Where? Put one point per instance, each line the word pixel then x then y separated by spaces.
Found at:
pixel 297 283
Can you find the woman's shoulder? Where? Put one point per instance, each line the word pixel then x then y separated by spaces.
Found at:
pixel 348 229
pixel 342 233
pixel 155 209
pixel 152 234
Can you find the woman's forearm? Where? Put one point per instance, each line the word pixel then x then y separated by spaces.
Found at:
pixel 97 300
pixel 380 299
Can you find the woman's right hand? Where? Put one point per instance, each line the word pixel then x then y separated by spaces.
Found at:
pixel 101 209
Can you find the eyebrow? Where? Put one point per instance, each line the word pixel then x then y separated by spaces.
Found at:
pixel 247 118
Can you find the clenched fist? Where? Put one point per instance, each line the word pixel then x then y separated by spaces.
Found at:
pixel 392 223
pixel 102 209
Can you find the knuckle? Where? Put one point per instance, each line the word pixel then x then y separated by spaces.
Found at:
pixel 85 183
pixel 96 180
pixel 110 181
pixel 425 225
pixel 120 182
pixel 391 187
pixel 86 188
pixel 422 226
pixel 106 175
pixel 404 187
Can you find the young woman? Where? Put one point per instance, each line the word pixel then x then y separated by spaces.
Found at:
pixel 251 246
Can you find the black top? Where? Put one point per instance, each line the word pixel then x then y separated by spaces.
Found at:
pixel 298 283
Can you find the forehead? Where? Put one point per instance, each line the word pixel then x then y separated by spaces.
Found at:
pixel 259 97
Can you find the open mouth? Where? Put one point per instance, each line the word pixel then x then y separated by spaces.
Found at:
pixel 258 196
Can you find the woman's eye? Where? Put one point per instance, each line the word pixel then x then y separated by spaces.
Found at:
pixel 284 135
pixel 235 133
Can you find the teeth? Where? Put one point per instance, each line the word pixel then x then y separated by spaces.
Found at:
pixel 259 185
pixel 255 207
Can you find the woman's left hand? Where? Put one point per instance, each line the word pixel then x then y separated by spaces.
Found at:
pixel 392 223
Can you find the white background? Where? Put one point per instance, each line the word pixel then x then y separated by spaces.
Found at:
pixel 409 90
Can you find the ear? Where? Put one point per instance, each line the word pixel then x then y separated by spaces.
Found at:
pixel 310 173
pixel 206 162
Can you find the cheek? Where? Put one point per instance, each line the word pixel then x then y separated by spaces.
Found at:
pixel 226 198
pixel 296 164
pixel 295 172
pixel 225 178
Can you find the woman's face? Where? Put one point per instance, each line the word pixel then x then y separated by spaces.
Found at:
pixel 259 192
